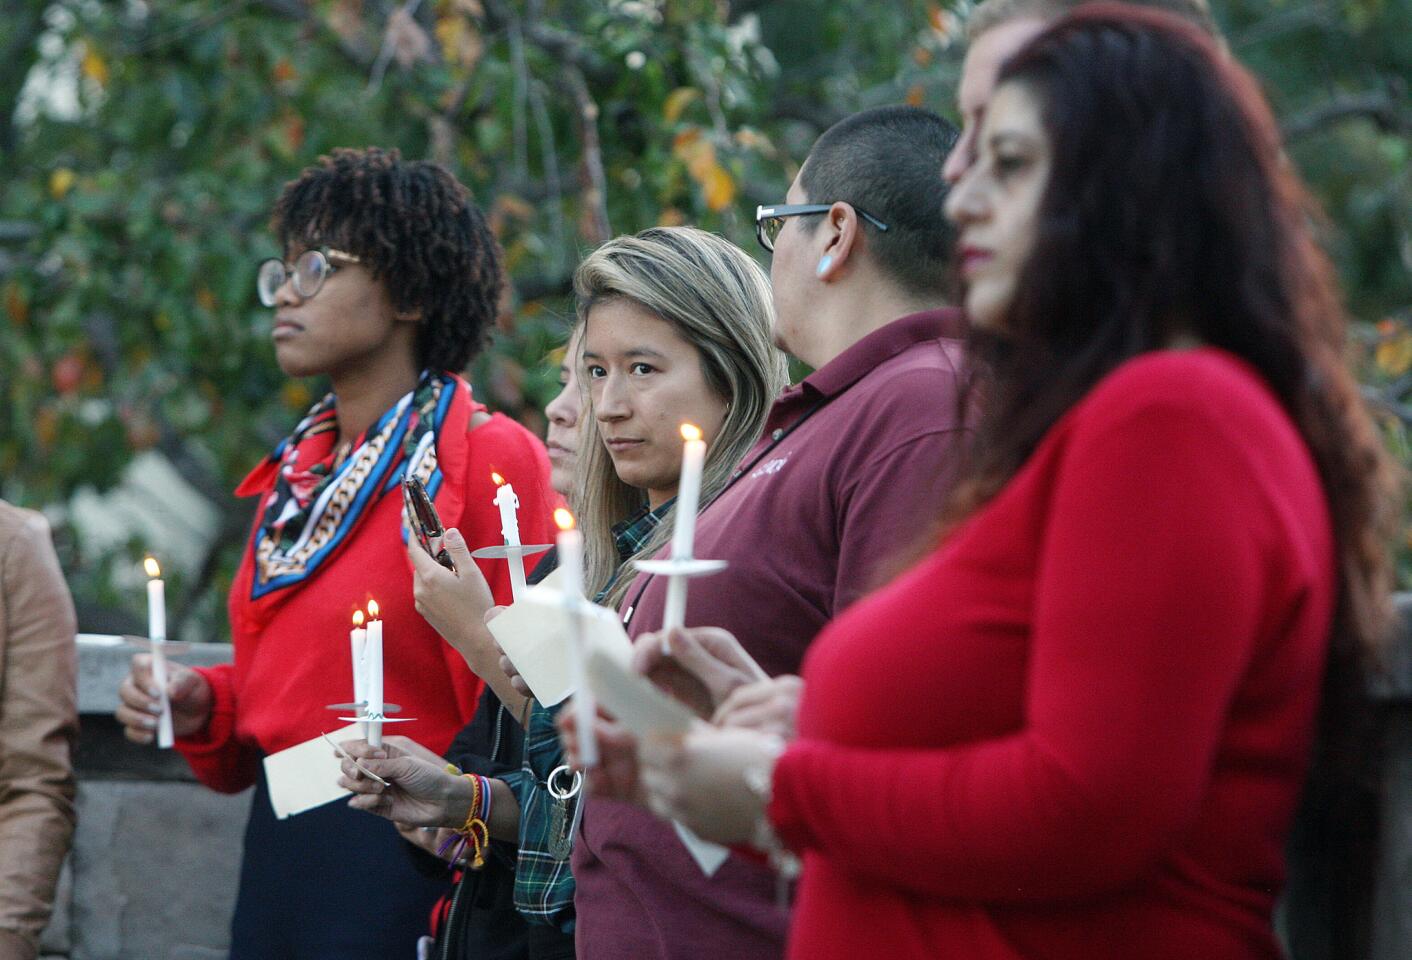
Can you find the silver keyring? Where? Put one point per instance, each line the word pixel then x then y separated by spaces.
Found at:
pixel 558 793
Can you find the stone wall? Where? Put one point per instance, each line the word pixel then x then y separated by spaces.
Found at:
pixel 154 865
pixel 153 871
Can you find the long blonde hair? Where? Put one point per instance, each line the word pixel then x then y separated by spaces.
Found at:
pixel 718 299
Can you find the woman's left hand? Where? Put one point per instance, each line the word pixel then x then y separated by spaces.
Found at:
pixel 712 780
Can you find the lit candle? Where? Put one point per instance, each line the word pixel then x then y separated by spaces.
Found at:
pixel 372 660
pixel 358 641
pixel 570 546
pixel 509 503
pixel 693 459
pixel 157 633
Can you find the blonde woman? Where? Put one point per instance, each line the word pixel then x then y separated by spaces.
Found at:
pixel 676 327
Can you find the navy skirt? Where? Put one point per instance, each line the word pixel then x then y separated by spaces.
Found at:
pixel 330 884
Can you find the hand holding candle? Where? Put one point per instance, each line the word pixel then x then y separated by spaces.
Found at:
pixel 157 633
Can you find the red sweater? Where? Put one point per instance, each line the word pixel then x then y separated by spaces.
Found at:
pixel 1079 728
pixel 294 660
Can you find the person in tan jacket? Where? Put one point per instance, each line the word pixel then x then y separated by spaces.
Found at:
pixel 38 723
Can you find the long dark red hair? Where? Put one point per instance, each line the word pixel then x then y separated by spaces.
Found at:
pixel 1172 211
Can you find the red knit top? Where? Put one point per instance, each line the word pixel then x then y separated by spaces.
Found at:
pixel 1078 728
pixel 293 658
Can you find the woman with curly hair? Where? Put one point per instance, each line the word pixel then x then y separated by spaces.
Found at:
pixel 388 287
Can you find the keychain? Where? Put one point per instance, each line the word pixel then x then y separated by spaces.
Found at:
pixel 561 826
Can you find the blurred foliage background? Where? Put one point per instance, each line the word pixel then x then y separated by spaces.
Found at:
pixel 142 144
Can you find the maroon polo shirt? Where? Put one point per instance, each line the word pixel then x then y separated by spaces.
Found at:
pixel 850 470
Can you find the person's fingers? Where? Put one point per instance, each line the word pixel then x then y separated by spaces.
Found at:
pixel 423 566
pixel 750 695
pixel 139 734
pixel 141 673
pixel 138 725
pixel 455 545
pixel 723 645
pixel 183 684
pixel 353 780
pixel 370 803
pixel 647 652
pixel 765 717
pixel 129 694
pixel 516 681
pixel 363 750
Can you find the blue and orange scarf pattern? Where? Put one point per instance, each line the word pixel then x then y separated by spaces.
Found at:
pixel 317 503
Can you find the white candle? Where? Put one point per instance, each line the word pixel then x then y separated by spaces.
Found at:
pixel 157 633
pixel 570 547
pixel 509 503
pixel 358 642
pixel 693 459
pixel 372 657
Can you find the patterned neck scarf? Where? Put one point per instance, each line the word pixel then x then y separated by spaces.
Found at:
pixel 316 504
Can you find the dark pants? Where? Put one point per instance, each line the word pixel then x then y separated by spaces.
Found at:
pixel 329 884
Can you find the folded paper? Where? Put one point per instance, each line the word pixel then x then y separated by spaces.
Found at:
pixel 633 700
pixel 305 775
pixel 537 635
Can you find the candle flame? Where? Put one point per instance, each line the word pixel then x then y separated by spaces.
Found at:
pixel 150 565
pixel 373 609
pixel 563 519
pixel 357 618
pixel 690 431
pixel 499 480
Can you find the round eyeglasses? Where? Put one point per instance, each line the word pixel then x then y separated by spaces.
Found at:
pixel 769 221
pixel 307 275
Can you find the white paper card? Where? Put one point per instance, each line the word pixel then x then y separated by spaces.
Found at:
pixel 633 700
pixel 708 856
pixel 305 775
pixel 537 635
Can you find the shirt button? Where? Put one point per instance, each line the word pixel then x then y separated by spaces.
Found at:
pixel 776 435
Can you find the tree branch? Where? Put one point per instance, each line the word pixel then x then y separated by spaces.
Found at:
pixel 595 196
pixel 1386 108
pixel 559 44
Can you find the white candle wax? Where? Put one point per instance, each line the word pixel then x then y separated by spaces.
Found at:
pixel 570 547
pixel 509 503
pixel 372 655
pixel 358 643
pixel 156 609
pixel 157 633
pixel 693 459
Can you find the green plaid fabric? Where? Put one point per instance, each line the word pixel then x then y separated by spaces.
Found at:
pixel 544 884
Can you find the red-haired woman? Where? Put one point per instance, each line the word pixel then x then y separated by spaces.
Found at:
pixel 1079 727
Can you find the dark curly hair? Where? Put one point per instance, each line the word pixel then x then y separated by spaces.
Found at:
pixel 417 229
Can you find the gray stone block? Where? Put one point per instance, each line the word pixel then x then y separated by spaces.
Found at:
pixel 155 870
pixel 101 668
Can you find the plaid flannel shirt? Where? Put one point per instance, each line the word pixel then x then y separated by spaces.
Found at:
pixel 544 884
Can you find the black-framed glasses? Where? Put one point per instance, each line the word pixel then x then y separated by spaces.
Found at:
pixel 308 273
pixel 769 221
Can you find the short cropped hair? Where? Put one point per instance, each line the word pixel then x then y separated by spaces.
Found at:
pixel 417 229
pixel 888 161
pixel 992 13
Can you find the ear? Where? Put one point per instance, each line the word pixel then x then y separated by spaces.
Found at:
pixel 840 231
